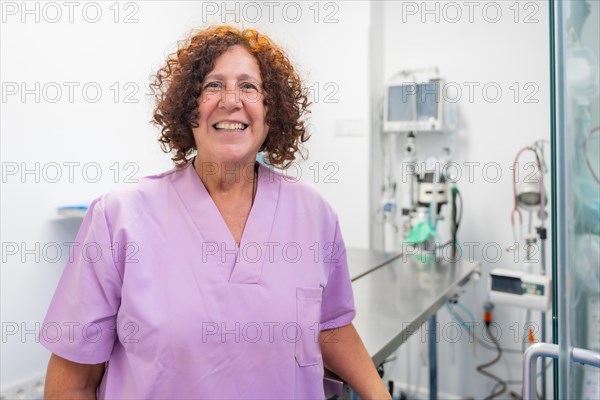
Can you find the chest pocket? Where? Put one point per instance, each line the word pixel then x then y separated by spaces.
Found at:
pixel 308 317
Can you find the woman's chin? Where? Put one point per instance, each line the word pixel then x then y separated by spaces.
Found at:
pixel 241 159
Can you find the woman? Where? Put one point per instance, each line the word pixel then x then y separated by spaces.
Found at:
pixel 219 278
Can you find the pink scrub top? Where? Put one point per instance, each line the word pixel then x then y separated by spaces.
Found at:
pixel 157 286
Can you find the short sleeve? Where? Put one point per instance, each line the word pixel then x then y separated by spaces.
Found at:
pixel 80 324
pixel 337 307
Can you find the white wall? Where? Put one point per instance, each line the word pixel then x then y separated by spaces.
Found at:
pixel 474 51
pixel 349 60
pixel 330 49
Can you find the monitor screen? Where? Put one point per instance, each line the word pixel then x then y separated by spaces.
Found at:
pixel 427 101
pixel 400 103
pixel 413 102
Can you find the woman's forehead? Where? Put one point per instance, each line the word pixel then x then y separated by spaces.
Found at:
pixel 236 62
pixel 237 58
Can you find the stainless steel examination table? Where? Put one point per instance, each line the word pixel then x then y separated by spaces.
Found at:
pixel 394 295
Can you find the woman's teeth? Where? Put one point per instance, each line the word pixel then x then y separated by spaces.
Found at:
pixel 238 126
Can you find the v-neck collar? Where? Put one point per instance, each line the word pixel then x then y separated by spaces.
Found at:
pixel 236 265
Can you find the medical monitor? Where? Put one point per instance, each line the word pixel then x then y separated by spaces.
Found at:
pixel 413 106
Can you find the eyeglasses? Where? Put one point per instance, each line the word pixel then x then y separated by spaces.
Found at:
pixel 247 91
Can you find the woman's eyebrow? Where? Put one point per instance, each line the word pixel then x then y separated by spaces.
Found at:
pixel 246 76
pixel 222 77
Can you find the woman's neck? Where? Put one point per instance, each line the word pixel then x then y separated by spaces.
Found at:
pixel 231 179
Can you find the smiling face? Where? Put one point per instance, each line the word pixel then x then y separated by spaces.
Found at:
pixel 232 122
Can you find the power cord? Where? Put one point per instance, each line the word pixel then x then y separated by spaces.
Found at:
pixel 488 306
pixel 520 382
pixel 461 321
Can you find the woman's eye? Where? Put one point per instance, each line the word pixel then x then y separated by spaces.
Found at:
pixel 212 85
pixel 248 86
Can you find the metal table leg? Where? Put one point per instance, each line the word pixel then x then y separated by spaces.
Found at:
pixel 433 358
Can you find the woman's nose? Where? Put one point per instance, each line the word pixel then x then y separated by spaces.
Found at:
pixel 230 97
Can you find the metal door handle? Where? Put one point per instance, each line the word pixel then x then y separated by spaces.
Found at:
pixel 537 350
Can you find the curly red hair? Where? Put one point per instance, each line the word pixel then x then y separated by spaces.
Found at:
pixel 177 88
